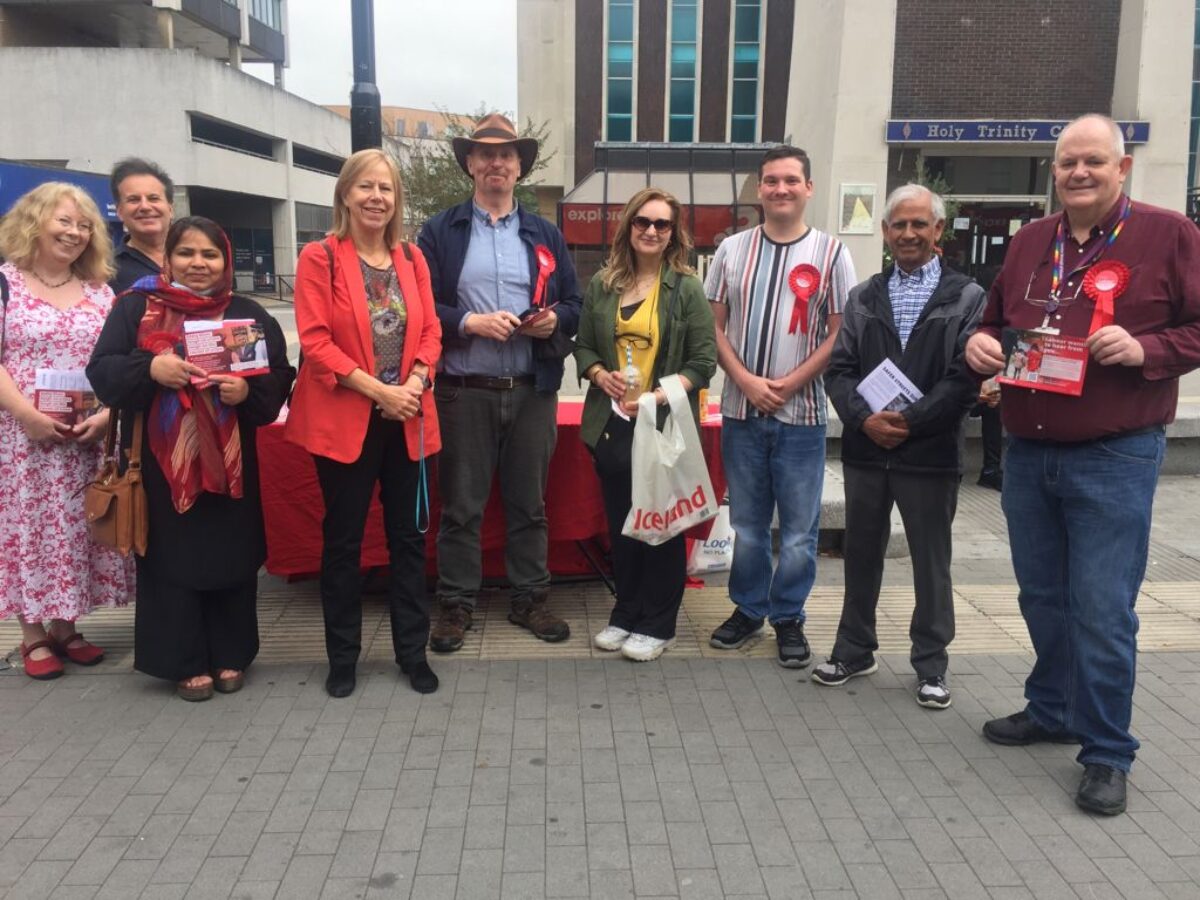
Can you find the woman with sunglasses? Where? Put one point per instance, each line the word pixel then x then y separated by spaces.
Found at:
pixel 646 306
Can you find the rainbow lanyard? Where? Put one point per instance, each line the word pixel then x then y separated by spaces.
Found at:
pixel 1060 243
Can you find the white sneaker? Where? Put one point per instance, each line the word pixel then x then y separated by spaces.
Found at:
pixel 611 638
pixel 643 648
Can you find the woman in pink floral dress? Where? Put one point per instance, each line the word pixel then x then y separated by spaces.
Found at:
pixel 51 573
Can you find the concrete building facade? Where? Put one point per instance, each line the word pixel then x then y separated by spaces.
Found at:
pixel 85 84
pixel 877 91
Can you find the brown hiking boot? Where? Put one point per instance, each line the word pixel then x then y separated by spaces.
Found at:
pixel 449 628
pixel 531 612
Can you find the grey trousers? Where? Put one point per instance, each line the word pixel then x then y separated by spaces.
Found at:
pixel 927 505
pixel 486 432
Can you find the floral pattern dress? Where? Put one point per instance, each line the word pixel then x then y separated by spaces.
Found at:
pixel 49 567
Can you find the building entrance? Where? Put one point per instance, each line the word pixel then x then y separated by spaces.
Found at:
pixel 983 229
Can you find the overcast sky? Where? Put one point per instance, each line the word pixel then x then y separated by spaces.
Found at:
pixel 455 54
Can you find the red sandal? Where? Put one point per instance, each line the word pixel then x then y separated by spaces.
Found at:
pixel 41 669
pixel 87 655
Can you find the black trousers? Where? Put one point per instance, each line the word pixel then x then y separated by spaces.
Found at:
pixel 993 437
pixel 649 580
pixel 927 505
pixel 347 489
pixel 179 632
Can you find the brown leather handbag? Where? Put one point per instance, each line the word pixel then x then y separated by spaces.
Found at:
pixel 115 504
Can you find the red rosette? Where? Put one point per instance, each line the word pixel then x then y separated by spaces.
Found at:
pixel 804 280
pixel 546 264
pixel 1104 282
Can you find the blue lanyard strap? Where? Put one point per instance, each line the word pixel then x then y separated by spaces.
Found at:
pixel 422 482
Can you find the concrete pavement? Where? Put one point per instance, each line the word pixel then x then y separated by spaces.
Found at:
pixel 542 771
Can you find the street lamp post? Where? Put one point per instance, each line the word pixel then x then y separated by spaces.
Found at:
pixel 366 120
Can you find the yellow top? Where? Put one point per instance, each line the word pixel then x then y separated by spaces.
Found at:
pixel 640 331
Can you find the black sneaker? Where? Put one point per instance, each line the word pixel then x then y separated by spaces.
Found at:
pixel 793 646
pixel 735 631
pixel 834 672
pixel 933 693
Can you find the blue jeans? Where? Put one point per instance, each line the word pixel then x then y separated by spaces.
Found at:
pixel 769 463
pixel 1079 527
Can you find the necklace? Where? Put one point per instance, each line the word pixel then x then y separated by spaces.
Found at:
pixel 386 258
pixel 51 285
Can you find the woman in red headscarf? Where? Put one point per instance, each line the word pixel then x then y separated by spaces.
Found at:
pixel 196 621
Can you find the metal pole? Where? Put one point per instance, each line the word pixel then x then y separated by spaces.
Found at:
pixel 366 120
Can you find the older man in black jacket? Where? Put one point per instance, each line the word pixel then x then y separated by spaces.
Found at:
pixel 915 318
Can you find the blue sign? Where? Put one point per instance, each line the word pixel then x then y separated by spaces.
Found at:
pixel 993 131
pixel 17 179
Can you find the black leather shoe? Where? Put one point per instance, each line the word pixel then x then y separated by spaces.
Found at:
pixel 991 478
pixel 1102 790
pixel 340 682
pixel 1019 729
pixel 420 676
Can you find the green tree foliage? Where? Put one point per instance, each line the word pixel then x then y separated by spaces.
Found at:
pixel 433 179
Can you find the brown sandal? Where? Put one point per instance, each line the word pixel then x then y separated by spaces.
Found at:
pixel 230 684
pixel 194 694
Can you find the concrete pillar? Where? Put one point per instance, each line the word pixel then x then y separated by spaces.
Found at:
pixel 845 139
pixel 166 29
pixel 235 53
pixel 181 202
pixel 283 236
pixel 1153 82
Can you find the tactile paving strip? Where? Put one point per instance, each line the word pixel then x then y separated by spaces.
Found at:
pixel 987 618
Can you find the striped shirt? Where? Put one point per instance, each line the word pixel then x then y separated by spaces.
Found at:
pixel 909 292
pixel 750 275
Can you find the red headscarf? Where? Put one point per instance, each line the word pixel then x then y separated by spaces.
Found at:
pixel 193 435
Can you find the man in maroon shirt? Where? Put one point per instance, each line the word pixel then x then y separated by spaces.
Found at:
pixel 1081 470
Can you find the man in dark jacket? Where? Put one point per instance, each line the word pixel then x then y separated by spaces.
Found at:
pixel 490 264
pixel 915 317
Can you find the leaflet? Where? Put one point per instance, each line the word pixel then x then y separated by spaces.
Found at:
pixel 1044 361
pixel 888 388
pixel 225 347
pixel 64 395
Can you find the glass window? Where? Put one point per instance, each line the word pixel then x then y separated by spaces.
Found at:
pixel 620 128
pixel 619 75
pixel 681 122
pixel 747 50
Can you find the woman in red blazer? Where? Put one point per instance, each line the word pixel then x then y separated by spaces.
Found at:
pixel 362 407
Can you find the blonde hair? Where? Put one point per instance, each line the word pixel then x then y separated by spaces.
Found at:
pixel 618 272
pixel 352 168
pixel 23 224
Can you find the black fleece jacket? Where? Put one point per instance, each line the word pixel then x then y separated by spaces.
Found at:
pixel 932 359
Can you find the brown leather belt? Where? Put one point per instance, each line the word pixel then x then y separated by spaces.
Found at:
pixel 492 383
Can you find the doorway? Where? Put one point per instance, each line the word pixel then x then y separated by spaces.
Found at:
pixel 983 229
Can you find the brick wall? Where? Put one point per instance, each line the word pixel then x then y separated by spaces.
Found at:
pixel 984 59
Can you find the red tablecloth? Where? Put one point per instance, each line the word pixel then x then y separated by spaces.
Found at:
pixel 293 508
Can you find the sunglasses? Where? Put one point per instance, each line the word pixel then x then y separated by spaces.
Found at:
pixel 636 341
pixel 641 223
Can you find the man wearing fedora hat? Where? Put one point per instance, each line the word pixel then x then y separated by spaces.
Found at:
pixel 491 263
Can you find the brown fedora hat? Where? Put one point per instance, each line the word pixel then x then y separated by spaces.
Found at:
pixel 496 129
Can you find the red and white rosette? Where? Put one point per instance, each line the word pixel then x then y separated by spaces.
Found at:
pixel 546 265
pixel 804 281
pixel 1104 282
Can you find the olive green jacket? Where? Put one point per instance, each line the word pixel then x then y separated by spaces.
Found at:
pixel 691 343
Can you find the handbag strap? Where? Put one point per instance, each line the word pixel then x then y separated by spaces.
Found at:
pixel 4 324
pixel 135 445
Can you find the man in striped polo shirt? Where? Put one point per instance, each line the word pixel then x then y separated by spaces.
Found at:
pixel 777 293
